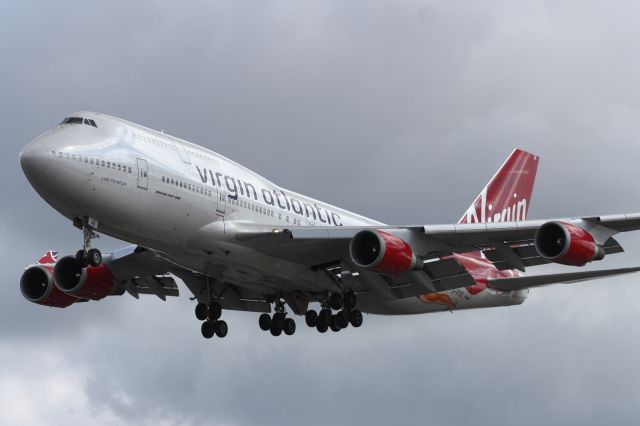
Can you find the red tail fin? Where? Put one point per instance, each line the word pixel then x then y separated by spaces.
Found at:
pixel 507 196
pixel 49 258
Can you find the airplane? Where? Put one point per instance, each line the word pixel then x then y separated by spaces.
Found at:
pixel 240 242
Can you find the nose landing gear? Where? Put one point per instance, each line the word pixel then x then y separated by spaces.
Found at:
pixel 88 256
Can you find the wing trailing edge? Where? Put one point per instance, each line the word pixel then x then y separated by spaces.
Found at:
pixel 520 283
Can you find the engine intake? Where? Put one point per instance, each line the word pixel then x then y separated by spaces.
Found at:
pixel 381 252
pixel 36 285
pixel 93 282
pixel 568 244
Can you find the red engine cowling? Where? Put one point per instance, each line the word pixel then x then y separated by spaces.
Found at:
pixel 93 282
pixel 381 252
pixel 567 244
pixel 36 285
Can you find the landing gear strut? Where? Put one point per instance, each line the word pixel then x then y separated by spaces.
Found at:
pixel 210 314
pixel 279 322
pixel 88 256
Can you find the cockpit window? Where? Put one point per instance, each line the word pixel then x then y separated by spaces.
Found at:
pixel 72 120
pixel 79 120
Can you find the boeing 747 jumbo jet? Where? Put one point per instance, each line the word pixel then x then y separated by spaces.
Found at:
pixel 239 241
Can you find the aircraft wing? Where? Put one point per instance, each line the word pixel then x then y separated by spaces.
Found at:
pixel 302 244
pixel 519 283
pixel 508 245
pixel 138 270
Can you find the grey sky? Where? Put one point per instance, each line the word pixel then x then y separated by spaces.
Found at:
pixel 397 110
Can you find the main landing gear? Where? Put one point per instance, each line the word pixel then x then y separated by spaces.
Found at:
pixel 212 324
pixel 347 314
pixel 88 256
pixel 279 322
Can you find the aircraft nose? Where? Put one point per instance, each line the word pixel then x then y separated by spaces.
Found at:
pixel 34 159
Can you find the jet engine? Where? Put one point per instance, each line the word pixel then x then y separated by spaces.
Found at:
pixel 382 252
pixel 36 285
pixel 92 282
pixel 567 244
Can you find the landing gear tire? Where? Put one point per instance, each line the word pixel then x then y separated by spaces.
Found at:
pixel 275 330
pixel 207 329
pixel 349 300
pixel 279 320
pixel 201 311
pixel 335 301
pixel 322 327
pixel 215 311
pixel 81 259
pixel 355 318
pixel 265 322
pixel 311 318
pixel 342 320
pixel 94 257
pixel 221 328
pixel 325 317
pixel 333 324
pixel 289 326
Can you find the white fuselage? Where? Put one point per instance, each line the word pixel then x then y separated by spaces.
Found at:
pixel 183 201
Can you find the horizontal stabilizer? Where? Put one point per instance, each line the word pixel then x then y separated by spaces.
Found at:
pixel 519 283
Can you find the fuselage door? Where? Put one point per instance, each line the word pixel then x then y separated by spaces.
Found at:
pixel 222 200
pixel 143 174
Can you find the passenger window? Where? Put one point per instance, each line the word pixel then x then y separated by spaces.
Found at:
pixel 86 159
pixel 108 164
pixel 144 174
pixel 102 163
pixel 91 161
pixel 119 167
pixel 129 169
pixel 162 178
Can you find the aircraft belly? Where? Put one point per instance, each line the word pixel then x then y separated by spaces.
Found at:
pixel 443 301
pixel 247 268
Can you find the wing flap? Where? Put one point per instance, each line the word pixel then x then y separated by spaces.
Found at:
pixel 520 283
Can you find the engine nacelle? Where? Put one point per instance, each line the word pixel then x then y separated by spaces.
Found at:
pixel 93 282
pixel 567 244
pixel 382 252
pixel 36 285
